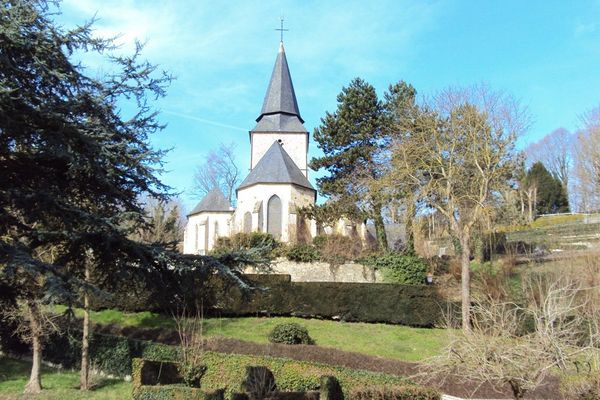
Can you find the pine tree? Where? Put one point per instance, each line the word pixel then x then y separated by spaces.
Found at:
pixel 73 166
pixel 352 139
pixel 551 196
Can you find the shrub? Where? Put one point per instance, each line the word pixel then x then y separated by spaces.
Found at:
pixel 399 268
pixel 290 333
pixel 302 253
pixel 581 386
pixel 407 392
pixel 254 240
pixel 337 249
pixel 191 373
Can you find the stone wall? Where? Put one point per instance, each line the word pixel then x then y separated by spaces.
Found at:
pixel 323 272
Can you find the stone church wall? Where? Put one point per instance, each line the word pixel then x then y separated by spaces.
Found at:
pixel 323 272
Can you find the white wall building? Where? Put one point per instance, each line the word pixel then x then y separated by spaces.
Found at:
pixel 277 185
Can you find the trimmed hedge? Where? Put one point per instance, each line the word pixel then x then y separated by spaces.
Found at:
pixel 114 355
pixel 290 333
pixel 361 302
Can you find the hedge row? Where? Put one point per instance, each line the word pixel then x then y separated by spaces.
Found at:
pixel 277 295
pixel 362 302
pixel 114 355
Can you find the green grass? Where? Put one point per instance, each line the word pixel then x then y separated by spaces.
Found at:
pixel 57 384
pixel 389 341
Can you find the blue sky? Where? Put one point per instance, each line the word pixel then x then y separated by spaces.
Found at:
pixel 545 53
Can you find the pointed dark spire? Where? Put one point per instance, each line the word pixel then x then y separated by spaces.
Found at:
pixel 280 97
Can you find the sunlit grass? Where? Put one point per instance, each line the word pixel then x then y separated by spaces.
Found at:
pixel 57 384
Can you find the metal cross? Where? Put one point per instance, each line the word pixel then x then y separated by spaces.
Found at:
pixel 281 29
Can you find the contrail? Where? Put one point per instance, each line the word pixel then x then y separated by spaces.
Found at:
pixel 206 121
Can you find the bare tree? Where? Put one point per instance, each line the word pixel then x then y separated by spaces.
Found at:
pixel 218 171
pixel 164 222
pixel 457 150
pixel 587 163
pixel 33 323
pixel 555 151
pixel 519 346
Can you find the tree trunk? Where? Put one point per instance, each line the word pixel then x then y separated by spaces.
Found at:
pixel 380 228
pixel 410 235
pixel 465 261
pixel 34 385
pixel 84 381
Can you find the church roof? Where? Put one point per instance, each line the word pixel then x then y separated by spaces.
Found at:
pixel 279 123
pixel 280 97
pixel 214 201
pixel 276 166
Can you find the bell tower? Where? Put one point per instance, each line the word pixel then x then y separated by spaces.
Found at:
pixel 280 120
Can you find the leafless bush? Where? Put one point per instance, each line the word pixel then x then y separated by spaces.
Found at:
pixel 520 345
pixel 191 347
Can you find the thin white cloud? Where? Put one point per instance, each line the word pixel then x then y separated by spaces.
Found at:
pixel 203 120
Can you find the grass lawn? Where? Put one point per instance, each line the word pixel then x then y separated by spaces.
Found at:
pixel 57 384
pixel 389 341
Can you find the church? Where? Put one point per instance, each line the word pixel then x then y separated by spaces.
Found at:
pixel 277 184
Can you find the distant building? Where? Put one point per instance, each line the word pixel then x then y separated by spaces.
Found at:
pixel 277 185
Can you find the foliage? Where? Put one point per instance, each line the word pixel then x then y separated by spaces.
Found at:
pixel 164 223
pixel 365 302
pixel 265 243
pixel 551 195
pixel 259 383
pixel 351 139
pixel 401 268
pixel 337 249
pixel 302 253
pixel 290 333
pixel 192 373
pixel 395 393
pixel 457 154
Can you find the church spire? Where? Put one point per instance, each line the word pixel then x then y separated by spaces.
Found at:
pixel 280 97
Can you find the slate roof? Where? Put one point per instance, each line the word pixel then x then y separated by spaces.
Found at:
pixel 276 166
pixel 279 123
pixel 214 201
pixel 280 100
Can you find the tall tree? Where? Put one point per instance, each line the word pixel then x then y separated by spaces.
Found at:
pixel 352 140
pixel 555 151
pixel 219 170
pixel 164 223
pixel 587 163
pixel 458 153
pixel 550 194
pixel 73 166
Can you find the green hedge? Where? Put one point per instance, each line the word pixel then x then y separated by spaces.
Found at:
pixel 416 305
pixel 115 354
pixel 229 371
pixel 363 302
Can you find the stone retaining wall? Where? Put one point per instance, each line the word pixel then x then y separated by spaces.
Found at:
pixel 323 272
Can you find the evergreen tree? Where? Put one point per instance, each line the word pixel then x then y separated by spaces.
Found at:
pixel 551 196
pixel 352 139
pixel 72 168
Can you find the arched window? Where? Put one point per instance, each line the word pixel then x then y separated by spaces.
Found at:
pixel 216 230
pixel 247 222
pixel 260 218
pixel 274 217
